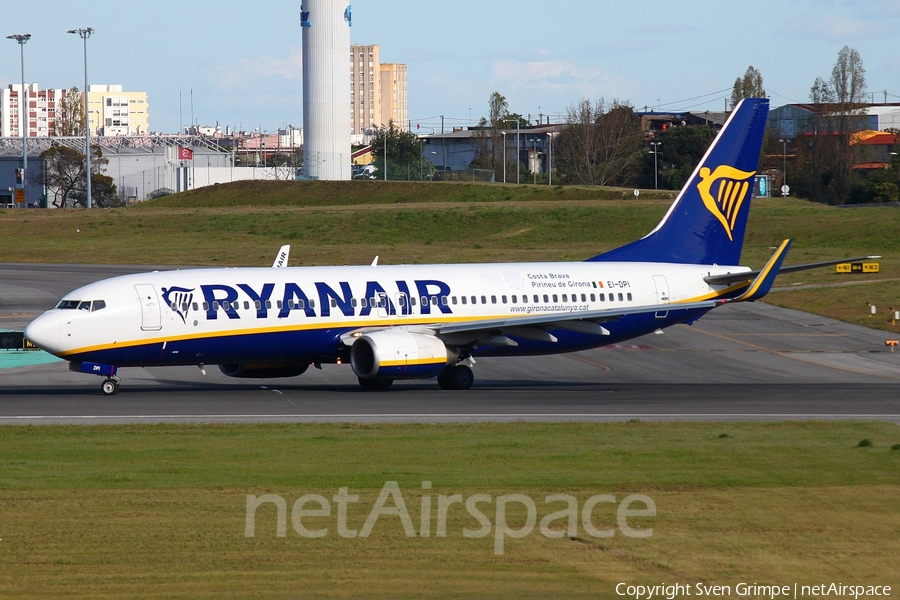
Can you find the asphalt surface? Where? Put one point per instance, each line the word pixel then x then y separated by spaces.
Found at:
pixel 744 362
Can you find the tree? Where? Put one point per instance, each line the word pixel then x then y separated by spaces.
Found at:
pixel 404 155
pixel 600 144
pixel 826 164
pixel 748 86
pixel 681 150
pixel 63 176
pixel 70 114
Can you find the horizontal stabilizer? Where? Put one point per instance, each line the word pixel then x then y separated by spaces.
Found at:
pixel 763 282
pixel 729 278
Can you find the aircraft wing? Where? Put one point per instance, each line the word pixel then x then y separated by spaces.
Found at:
pixel 535 327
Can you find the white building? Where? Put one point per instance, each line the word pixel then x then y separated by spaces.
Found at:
pixel 42 110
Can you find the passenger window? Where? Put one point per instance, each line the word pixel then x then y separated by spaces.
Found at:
pixel 463 299
pixel 443 300
pixel 602 297
pixel 206 306
pixel 269 304
pixel 312 304
pixel 257 305
pixel 536 298
pixel 333 303
pixel 98 305
pixel 453 300
pixel 302 304
pixel 215 305
pixel 434 300
pixel 629 296
pixel 353 302
pixel 620 297
pixel 474 300
pixel 546 298
pixel 565 297
pixel 503 299
pixel 484 299
pixel 195 307
pixel 593 298
pixel 514 299
pixel 412 300
pixel 247 305
pixel 424 300
pixel 279 304
pixel 493 299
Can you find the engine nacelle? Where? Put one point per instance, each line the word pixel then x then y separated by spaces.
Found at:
pixel 263 371
pixel 399 355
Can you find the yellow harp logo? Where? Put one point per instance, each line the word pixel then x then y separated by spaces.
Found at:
pixel 723 191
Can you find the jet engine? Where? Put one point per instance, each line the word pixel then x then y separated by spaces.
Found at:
pixel 263 371
pixel 390 354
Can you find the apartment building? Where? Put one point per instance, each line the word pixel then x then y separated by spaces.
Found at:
pixel 378 91
pixel 42 107
pixel 113 112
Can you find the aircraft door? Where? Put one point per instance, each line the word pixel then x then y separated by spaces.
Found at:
pixel 381 304
pixel 151 313
pixel 662 294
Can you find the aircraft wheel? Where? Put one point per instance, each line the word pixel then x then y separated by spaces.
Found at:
pixel 459 377
pixel 110 387
pixel 378 385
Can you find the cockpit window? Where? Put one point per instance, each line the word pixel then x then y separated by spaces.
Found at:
pixel 86 305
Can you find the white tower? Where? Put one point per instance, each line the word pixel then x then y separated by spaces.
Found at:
pixel 326 88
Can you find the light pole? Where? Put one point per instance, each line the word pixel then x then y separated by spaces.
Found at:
pixel 518 154
pixel 503 134
pixel 84 34
pixel 784 163
pixel 654 152
pixel 549 156
pixel 23 106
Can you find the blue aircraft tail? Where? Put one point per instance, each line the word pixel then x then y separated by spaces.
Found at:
pixel 706 223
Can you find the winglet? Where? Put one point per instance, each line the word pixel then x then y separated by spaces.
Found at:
pixel 763 282
pixel 282 259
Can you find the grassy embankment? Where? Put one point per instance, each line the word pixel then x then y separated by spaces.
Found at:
pixel 350 222
pixel 161 510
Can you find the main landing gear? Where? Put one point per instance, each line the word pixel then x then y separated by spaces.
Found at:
pixel 458 377
pixel 110 386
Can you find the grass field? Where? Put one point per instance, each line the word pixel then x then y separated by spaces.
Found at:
pixel 244 223
pixel 161 510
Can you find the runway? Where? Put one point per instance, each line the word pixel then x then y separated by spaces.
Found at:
pixel 744 362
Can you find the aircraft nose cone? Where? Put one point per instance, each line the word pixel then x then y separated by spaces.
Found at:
pixel 43 332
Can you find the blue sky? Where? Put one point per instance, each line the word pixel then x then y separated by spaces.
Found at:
pixel 242 59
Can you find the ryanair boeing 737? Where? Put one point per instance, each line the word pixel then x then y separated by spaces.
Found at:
pixel 423 321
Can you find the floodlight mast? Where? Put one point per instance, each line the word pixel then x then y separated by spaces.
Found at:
pixel 23 107
pixel 84 34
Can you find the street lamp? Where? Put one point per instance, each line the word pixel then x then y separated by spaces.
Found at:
pixel 654 152
pixel 784 168
pixel 549 156
pixel 503 133
pixel 518 167
pixel 23 107
pixel 84 34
